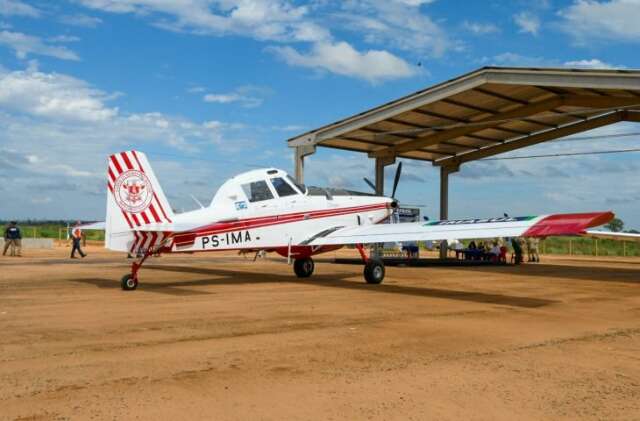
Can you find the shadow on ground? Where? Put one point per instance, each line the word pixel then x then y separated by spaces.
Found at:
pixel 565 272
pixel 338 280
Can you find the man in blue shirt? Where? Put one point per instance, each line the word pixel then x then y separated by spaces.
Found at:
pixel 13 239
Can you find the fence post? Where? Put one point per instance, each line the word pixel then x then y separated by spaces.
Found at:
pixel 570 247
pixel 34 232
pixel 596 247
pixel 624 248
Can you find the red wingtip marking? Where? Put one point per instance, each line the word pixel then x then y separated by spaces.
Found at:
pixel 568 224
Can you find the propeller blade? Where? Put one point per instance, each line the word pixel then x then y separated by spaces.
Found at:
pixel 396 180
pixel 373 187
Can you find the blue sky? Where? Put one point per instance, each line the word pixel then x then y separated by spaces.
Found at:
pixel 210 88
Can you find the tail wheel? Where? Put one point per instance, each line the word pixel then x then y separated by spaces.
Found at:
pixel 374 271
pixel 128 282
pixel 303 267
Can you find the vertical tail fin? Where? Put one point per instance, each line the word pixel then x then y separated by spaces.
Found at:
pixel 134 199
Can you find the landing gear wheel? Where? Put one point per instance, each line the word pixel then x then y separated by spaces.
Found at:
pixel 303 267
pixel 374 271
pixel 128 282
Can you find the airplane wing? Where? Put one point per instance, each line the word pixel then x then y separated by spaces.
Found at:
pixel 525 226
pixel 608 235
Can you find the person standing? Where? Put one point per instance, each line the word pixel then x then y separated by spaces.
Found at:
pixel 13 239
pixel 517 249
pixel 76 237
pixel 533 249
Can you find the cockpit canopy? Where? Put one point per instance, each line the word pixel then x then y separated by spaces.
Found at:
pixel 257 186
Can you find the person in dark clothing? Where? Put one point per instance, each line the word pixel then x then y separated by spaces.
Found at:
pixel 517 249
pixel 76 237
pixel 13 239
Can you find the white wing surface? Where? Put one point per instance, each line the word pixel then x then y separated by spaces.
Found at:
pixel 526 226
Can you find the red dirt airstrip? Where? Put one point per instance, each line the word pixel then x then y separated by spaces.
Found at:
pixel 219 337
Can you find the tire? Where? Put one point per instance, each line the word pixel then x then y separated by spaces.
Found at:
pixel 374 271
pixel 303 267
pixel 128 283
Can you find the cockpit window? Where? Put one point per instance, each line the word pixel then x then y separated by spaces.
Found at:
pixel 300 186
pixel 282 187
pixel 257 191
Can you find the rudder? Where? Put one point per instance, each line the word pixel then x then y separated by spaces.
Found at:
pixel 134 199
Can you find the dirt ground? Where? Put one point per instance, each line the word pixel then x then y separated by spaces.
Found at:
pixel 218 337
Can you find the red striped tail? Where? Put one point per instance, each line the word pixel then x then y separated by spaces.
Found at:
pixel 135 199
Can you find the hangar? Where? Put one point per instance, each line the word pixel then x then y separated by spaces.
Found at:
pixel 489 111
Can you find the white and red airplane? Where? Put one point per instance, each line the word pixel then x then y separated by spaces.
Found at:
pixel 267 210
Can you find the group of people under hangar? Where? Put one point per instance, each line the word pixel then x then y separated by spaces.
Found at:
pixel 496 251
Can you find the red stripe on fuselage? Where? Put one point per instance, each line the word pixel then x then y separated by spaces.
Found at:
pixel 259 222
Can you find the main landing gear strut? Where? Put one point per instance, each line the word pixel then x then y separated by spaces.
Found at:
pixel 373 267
pixel 129 282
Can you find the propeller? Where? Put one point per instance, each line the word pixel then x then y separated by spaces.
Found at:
pixel 396 180
pixel 373 186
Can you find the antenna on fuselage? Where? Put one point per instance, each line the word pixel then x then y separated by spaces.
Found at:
pixel 197 201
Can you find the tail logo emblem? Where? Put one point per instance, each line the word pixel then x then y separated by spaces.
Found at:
pixel 133 191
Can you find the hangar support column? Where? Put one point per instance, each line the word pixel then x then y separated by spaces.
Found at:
pixel 380 164
pixel 444 201
pixel 300 153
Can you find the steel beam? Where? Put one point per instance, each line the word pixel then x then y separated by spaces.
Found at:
pixel 498 119
pixel 592 123
pixel 474 126
pixel 632 115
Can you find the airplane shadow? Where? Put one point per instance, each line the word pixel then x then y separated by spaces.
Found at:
pixel 571 272
pixel 228 277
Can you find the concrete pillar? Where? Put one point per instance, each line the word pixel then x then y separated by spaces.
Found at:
pixel 298 157
pixel 444 193
pixel 380 164
pixel 444 201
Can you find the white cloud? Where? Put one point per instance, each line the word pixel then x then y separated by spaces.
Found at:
pixel 53 96
pixel 64 38
pixel 265 20
pixel 248 96
pixel 527 22
pixel 341 58
pixel 80 20
pixel 397 23
pixel 593 63
pixel 480 28
pixel 23 45
pixel 56 132
pixel 18 8
pixel 248 102
pixel 519 60
pixel 615 19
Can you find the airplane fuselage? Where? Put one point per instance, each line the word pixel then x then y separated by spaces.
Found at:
pixel 279 224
